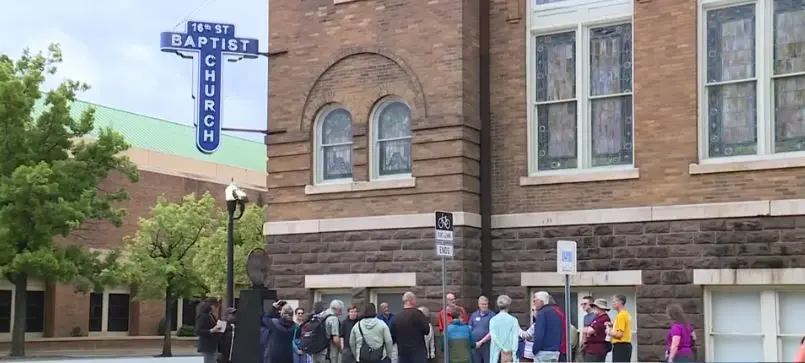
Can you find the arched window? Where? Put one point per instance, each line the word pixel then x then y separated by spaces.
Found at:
pixel 391 138
pixel 334 145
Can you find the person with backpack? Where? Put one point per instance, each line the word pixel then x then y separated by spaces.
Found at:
pixel 370 338
pixel 319 336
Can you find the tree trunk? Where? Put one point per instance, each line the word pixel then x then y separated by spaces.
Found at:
pixel 20 299
pixel 166 343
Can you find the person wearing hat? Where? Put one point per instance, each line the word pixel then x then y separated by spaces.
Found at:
pixel 228 339
pixel 596 345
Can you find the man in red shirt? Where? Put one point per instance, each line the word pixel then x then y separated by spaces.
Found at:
pixel 451 303
pixel 595 345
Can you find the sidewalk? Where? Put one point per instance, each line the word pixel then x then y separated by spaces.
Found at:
pixel 39 355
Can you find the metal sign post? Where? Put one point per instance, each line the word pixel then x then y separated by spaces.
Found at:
pixel 211 42
pixel 444 249
pixel 566 264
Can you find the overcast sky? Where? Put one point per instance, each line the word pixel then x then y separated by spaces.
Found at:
pixel 114 46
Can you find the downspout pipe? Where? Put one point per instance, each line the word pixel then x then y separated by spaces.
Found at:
pixel 486 148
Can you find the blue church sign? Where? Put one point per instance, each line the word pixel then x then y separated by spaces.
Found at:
pixel 211 42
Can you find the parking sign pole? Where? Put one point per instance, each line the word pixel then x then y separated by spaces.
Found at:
pixel 566 264
pixel 443 236
pixel 444 311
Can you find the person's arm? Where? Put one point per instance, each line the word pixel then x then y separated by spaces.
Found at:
pixel 539 333
pixel 341 334
pixel 431 344
pixel 800 356
pixel 674 348
pixel 388 342
pixel 619 327
pixel 464 315
pixel 353 336
pixel 441 321
pixel 202 325
pixel 333 326
pixel 393 331
pixel 486 339
pixel 424 324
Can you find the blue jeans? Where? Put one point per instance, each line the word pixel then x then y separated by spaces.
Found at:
pixel 301 358
pixel 481 355
pixel 407 357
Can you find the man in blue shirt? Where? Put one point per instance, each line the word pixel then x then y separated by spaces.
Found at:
pixel 479 325
pixel 385 315
pixel 547 329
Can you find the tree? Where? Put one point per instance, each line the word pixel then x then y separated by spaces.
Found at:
pixel 49 177
pixel 248 235
pixel 157 259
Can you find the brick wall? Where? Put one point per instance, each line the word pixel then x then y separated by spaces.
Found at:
pixel 385 251
pixel 666 252
pixel 354 54
pixel 665 119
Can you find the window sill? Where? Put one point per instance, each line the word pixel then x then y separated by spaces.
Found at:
pixel 584 176
pixel 750 165
pixel 361 186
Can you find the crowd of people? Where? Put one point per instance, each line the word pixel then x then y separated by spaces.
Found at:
pixel 333 333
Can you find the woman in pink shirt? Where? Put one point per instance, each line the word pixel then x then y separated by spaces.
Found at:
pixel 681 337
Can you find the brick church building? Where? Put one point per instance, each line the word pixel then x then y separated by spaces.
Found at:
pixel 665 137
pixel 59 318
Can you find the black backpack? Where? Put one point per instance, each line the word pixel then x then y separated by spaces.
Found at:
pixel 367 354
pixel 313 335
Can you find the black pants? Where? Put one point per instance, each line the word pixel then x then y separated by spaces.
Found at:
pixel 622 352
pixel 594 357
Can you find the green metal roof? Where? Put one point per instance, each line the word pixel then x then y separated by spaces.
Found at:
pixel 173 138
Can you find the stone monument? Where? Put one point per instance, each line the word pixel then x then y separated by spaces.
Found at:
pixel 251 309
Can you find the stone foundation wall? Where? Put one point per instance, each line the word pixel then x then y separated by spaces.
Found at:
pixel 380 251
pixel 666 252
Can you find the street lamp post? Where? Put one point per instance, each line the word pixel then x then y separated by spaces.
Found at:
pixel 236 200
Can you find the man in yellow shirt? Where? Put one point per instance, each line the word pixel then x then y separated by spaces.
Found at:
pixel 621 331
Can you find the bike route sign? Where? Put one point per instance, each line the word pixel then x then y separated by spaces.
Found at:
pixel 444 226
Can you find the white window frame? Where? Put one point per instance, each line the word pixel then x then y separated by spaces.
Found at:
pixel 579 16
pixel 383 290
pixel 318 154
pixel 33 285
pixel 318 293
pixel 105 313
pixel 769 329
pixel 764 78
pixel 374 167
pixel 179 315
pixel 603 292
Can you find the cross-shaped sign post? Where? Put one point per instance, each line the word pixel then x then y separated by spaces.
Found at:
pixel 211 42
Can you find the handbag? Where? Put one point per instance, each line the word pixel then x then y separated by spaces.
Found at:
pixel 367 354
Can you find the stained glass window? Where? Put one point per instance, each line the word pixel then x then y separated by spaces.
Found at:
pixel 788 78
pixel 611 94
pixel 335 135
pixel 393 139
pixel 555 93
pixel 731 86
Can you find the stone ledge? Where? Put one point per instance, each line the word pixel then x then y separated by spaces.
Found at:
pixel 786 207
pixel 583 278
pixel 720 166
pixel 400 221
pixel 367 280
pixel 758 276
pixel 652 213
pixel 360 186
pixel 581 176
